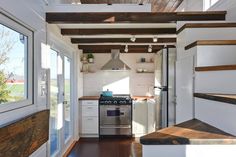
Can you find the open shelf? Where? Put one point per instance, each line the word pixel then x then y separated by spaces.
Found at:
pixel 145 62
pixel 216 68
pixel 226 98
pixel 146 72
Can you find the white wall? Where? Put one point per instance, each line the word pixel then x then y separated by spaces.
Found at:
pixel 133 83
pixel 32 15
pixel 99 8
pixel 198 5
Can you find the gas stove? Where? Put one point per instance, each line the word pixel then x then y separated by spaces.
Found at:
pixel 115 116
pixel 115 100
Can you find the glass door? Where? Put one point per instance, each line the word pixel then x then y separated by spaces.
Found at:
pixel 67 100
pixel 54 105
pixel 60 103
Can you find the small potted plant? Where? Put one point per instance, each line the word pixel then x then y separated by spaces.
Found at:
pixel 90 58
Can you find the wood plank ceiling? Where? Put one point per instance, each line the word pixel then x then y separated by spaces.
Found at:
pixel 157 5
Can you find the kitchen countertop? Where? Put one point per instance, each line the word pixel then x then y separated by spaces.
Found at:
pixel 190 132
pixel 89 98
pixel 133 97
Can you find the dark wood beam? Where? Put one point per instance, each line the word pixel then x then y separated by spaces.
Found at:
pixel 122 40
pixel 141 31
pixel 132 48
pixel 121 50
pixel 109 47
pixel 114 17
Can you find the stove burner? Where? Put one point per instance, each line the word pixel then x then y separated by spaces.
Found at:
pixel 115 100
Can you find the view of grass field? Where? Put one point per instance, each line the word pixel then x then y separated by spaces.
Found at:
pixel 16 92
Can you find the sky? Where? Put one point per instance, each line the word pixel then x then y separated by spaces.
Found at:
pixel 16 56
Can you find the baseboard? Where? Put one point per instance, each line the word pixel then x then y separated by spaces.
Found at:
pixel 69 149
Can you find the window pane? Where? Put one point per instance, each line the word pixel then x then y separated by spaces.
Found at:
pixel 67 98
pixel 13 65
pixel 54 130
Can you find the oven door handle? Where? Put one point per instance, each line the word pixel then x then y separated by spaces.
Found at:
pixel 112 127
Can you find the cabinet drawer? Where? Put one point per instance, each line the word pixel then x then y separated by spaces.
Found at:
pixel 89 102
pixel 89 125
pixel 89 110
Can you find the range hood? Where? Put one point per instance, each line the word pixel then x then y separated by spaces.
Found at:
pixel 115 63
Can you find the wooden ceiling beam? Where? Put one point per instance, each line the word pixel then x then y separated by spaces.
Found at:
pixel 105 47
pixel 121 50
pixel 120 40
pixel 137 31
pixel 138 17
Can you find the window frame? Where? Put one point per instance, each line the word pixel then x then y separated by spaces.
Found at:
pixel 18 27
pixel 207 4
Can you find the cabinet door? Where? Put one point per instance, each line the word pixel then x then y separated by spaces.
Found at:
pixel 89 125
pixel 140 117
pixel 89 110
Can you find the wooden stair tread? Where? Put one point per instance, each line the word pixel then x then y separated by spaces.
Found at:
pixel 216 68
pixel 210 42
pixel 206 25
pixel 226 98
pixel 190 132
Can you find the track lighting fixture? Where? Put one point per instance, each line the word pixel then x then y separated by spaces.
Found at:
pixel 126 48
pixel 133 38
pixel 150 48
pixel 155 39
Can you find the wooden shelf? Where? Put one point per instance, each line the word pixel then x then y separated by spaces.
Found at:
pixel 216 68
pixel 226 98
pixel 145 62
pixel 206 25
pixel 86 62
pixel 210 43
pixel 147 72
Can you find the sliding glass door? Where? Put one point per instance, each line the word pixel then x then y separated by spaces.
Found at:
pixel 60 103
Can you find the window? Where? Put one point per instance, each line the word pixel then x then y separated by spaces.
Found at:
pixel 209 3
pixel 16 68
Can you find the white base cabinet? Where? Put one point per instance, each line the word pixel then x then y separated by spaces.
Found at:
pixel 89 118
pixel 143 117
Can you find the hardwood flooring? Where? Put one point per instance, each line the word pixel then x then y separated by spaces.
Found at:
pixel 102 148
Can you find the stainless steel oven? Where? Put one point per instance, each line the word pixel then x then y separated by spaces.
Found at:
pixel 115 119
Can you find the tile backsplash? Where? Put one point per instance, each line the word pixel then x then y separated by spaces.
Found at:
pixel 120 82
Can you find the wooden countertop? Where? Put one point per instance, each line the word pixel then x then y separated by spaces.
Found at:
pixel 133 97
pixel 142 97
pixel 89 98
pixel 190 132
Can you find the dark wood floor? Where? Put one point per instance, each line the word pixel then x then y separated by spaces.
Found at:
pixel 102 148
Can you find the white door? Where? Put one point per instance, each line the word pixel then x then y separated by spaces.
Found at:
pixel 184 89
pixel 60 103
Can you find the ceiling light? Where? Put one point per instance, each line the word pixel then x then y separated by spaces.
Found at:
pixel 150 48
pixel 155 39
pixel 126 48
pixel 133 38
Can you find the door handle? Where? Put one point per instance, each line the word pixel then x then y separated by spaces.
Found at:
pixel 162 88
pixel 65 102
